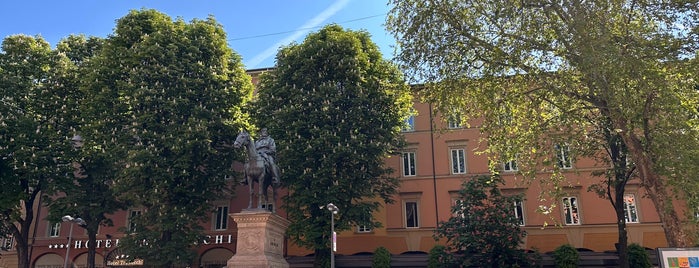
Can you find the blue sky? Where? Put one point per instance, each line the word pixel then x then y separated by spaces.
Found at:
pixel 255 28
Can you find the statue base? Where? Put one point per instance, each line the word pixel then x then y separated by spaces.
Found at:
pixel 260 239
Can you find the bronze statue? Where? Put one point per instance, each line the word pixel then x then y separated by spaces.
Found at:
pixel 268 149
pixel 260 166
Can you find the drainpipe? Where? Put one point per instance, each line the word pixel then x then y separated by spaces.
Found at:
pixel 434 172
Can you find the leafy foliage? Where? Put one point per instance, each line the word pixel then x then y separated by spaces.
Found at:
pixel 639 257
pixel 484 231
pixel 33 131
pixel 89 194
pixel 548 73
pixel 438 257
pixel 163 99
pixel 381 258
pixel 566 256
pixel 335 107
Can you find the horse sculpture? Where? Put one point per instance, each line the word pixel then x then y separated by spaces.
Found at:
pixel 256 170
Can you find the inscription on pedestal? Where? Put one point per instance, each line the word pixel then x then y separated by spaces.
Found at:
pixel 260 240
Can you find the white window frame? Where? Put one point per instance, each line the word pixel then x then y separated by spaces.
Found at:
pixel 364 228
pixel 411 207
pixel 129 223
pixel 268 206
pixel 510 166
pixel 454 122
pixel 220 218
pixel 455 201
pixel 408 164
pixel 8 243
pixel 519 211
pixel 409 124
pixel 571 210
pixel 563 159
pixel 458 162
pixel 630 209
pixel 54 229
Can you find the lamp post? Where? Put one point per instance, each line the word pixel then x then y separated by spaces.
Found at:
pixel 333 240
pixel 79 221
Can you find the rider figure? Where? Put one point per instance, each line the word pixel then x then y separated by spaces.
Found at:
pixel 267 149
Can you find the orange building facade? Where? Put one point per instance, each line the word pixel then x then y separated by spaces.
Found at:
pixel 440 155
pixel 438 158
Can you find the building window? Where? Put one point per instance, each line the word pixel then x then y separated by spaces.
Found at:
pixel 363 229
pixel 519 211
pixel 457 208
pixel 411 215
pixel 571 212
pixel 408 164
pixel 409 124
pixel 133 214
pixel 54 229
pixel 221 221
pixel 268 206
pixel 563 156
pixel 8 243
pixel 510 166
pixel 454 121
pixel 458 161
pixel 630 208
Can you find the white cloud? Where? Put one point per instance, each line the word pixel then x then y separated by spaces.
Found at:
pixel 301 31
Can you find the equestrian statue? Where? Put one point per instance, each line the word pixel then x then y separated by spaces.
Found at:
pixel 260 166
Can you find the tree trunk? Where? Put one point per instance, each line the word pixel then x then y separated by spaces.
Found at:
pixel 21 231
pixel 655 188
pixel 21 235
pixel 322 258
pixel 91 246
pixel 22 254
pixel 623 244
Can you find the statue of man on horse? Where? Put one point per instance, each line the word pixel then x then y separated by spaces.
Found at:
pixel 260 166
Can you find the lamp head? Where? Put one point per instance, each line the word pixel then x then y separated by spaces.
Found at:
pixel 332 208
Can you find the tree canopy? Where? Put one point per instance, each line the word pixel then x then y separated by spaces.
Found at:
pixel 34 131
pixel 89 194
pixel 546 72
pixel 336 108
pixel 163 97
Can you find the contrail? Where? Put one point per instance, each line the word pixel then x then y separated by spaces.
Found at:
pixel 305 28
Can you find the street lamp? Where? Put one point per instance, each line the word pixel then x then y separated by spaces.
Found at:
pixel 333 239
pixel 79 221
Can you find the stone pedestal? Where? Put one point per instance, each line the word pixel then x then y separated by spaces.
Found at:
pixel 260 239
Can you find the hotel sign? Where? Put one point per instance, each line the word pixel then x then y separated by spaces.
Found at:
pixel 109 243
pixel 136 262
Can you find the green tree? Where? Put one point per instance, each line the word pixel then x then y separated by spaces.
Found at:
pixel 336 108
pixel 566 256
pixel 438 257
pixel 552 71
pixel 163 98
pixel 484 231
pixel 93 173
pixel 639 257
pixel 381 258
pixel 33 132
pixel 613 186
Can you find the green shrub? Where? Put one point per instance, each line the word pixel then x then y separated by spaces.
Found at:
pixel 566 256
pixel 485 225
pixel 638 257
pixel 436 256
pixel 382 258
